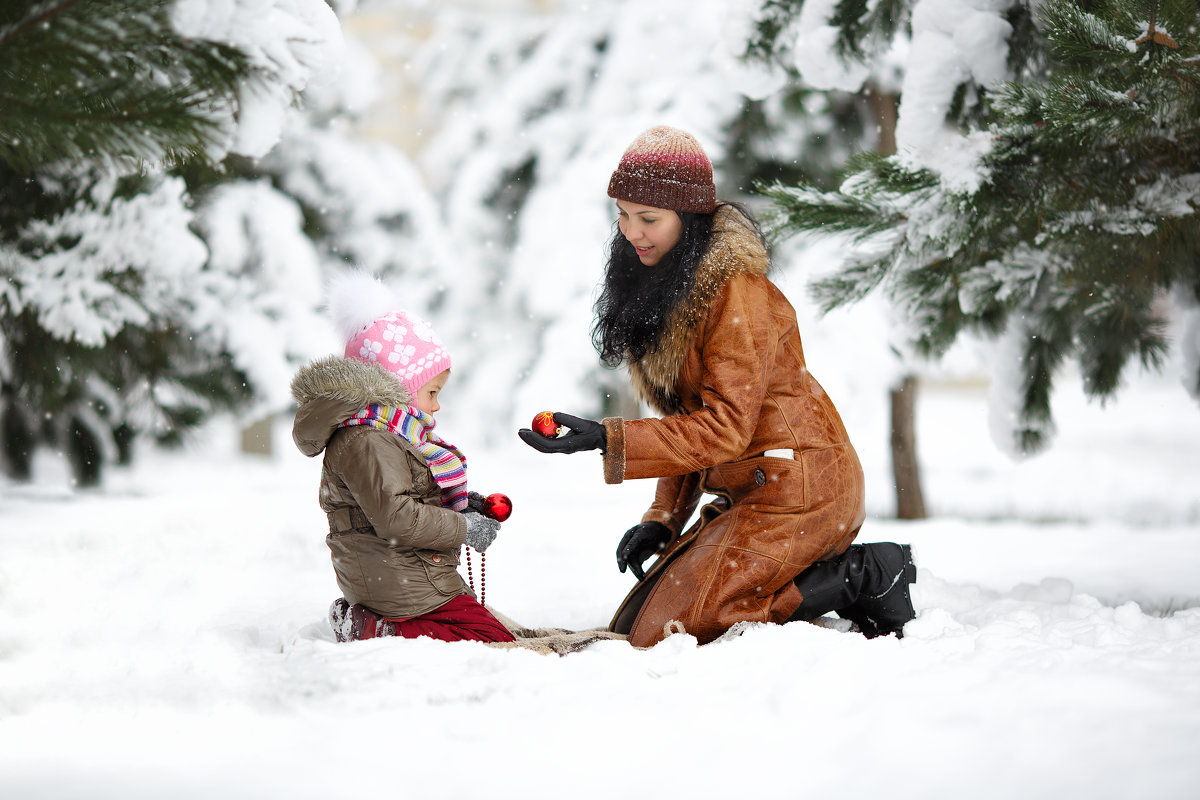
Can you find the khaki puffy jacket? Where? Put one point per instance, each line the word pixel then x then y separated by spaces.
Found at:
pixel 394 548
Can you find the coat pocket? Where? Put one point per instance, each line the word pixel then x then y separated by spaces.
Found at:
pixel 776 485
pixel 441 567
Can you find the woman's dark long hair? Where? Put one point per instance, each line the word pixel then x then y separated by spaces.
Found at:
pixel 637 300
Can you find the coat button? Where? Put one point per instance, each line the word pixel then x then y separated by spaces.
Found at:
pixel 759 477
pixel 436 559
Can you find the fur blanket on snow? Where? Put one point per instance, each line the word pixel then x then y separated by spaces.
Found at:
pixel 559 641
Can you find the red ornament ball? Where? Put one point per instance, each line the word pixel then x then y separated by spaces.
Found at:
pixel 497 506
pixel 545 425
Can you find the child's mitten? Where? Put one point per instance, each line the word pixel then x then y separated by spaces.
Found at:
pixel 481 530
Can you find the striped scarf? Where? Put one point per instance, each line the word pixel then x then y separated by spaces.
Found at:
pixel 446 462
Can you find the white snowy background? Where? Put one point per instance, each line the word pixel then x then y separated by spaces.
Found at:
pixel 165 635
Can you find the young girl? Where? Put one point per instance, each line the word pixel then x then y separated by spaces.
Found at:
pixel 395 493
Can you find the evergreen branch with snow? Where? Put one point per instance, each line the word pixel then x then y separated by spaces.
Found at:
pixel 862 27
pixel 861 24
pixel 1087 216
pixel 110 80
pixel 117 318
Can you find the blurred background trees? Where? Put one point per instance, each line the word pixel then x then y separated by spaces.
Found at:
pixel 175 187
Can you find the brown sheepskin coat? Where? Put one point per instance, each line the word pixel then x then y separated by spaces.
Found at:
pixel 729 379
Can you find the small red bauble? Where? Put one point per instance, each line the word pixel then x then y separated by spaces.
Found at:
pixel 545 425
pixel 497 506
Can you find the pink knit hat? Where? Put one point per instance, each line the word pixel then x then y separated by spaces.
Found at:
pixel 379 332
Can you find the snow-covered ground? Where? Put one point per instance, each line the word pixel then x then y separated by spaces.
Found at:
pixel 166 637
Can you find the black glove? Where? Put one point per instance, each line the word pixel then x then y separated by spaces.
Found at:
pixel 475 502
pixel 585 434
pixel 639 543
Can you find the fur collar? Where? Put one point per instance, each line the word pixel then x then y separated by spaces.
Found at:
pixel 735 248
pixel 349 380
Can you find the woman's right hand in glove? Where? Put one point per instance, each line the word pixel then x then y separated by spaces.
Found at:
pixel 639 543
pixel 584 434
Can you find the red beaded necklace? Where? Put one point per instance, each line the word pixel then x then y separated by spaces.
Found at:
pixel 482 574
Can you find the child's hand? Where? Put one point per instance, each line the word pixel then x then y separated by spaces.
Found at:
pixel 475 502
pixel 496 506
pixel 481 531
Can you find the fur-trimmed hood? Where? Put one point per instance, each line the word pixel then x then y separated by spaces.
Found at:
pixel 348 379
pixel 735 247
pixel 331 390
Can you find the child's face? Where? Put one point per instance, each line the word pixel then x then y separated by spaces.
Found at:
pixel 427 395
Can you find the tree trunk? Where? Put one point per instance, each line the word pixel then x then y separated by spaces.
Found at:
pixel 906 470
pixel 910 502
pixel 256 437
pixel 17 440
pixel 884 107
pixel 123 437
pixel 85 453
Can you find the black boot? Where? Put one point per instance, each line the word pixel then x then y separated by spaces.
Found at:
pixel 883 604
pixel 825 586
pixel 868 585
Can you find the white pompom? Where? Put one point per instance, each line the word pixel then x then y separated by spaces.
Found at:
pixel 356 299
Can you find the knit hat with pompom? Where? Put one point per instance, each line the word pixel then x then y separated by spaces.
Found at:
pixel 378 331
pixel 665 168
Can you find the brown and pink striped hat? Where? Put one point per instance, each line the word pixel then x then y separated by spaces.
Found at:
pixel 665 168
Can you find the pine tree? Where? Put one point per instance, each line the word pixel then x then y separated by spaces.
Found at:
pixel 109 80
pixel 106 310
pixel 862 58
pixel 1085 215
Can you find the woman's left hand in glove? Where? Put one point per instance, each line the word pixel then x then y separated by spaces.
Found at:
pixel 584 434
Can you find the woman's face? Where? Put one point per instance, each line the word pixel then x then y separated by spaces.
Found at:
pixel 652 231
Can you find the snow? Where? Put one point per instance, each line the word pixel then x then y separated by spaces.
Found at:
pixel 255 300
pixel 815 54
pixel 166 636
pixel 953 43
pixel 72 283
pixel 296 42
pixel 523 119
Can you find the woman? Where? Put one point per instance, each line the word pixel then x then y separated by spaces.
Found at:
pixel 713 346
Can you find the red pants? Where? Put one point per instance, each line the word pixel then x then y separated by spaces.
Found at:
pixel 461 619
